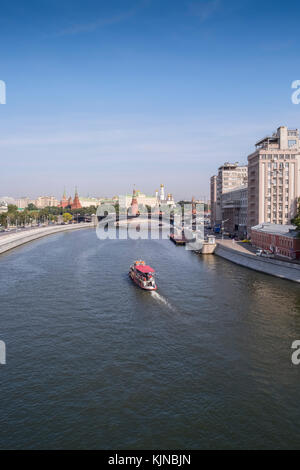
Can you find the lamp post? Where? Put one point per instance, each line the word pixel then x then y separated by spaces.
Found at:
pixel 222 227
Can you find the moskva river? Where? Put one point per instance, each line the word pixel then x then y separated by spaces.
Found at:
pixel 93 362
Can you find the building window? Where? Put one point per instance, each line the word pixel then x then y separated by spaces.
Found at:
pixel 292 143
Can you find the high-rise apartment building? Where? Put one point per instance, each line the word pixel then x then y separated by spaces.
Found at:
pixel 230 176
pixel 274 178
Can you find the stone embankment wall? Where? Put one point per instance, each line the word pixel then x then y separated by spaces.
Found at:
pixel 13 240
pixel 274 267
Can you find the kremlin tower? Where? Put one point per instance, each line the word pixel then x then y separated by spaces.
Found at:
pixel 194 210
pixel 76 203
pixel 134 207
pixel 64 200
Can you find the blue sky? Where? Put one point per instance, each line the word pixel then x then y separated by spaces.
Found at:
pixel 104 95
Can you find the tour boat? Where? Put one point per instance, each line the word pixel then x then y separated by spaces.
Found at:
pixel 143 275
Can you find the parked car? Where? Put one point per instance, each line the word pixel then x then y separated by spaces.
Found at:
pixel 264 253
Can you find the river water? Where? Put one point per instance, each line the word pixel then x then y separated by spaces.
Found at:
pixel 93 362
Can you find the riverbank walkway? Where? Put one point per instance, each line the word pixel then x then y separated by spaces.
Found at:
pixel 13 239
pixel 244 255
pixel 248 249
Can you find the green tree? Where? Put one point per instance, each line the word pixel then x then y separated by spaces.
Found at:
pixel 3 220
pixel 31 207
pixel 67 217
pixel 11 208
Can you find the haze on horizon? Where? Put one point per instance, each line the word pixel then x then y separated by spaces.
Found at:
pixel 105 95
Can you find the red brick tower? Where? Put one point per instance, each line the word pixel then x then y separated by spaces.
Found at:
pixel 134 208
pixel 194 209
pixel 70 201
pixel 64 200
pixel 76 203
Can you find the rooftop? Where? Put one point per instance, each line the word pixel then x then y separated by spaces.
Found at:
pixel 277 229
pixel 267 140
pixel 229 166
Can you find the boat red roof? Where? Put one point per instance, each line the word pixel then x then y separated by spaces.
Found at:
pixel 144 269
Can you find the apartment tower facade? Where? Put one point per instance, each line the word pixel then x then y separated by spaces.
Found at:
pixel 274 178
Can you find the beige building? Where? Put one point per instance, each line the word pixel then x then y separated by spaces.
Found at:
pixel 45 201
pixel 274 178
pixel 142 199
pixel 230 176
pixel 23 202
pixel 90 201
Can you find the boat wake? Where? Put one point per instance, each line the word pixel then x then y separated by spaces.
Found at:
pixel 162 299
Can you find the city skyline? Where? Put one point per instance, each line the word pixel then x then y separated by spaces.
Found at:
pixel 67 191
pixel 110 95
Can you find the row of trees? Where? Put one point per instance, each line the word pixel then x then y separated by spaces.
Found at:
pixel 26 217
pixel 33 215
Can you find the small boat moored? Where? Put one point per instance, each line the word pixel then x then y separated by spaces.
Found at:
pixel 143 275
